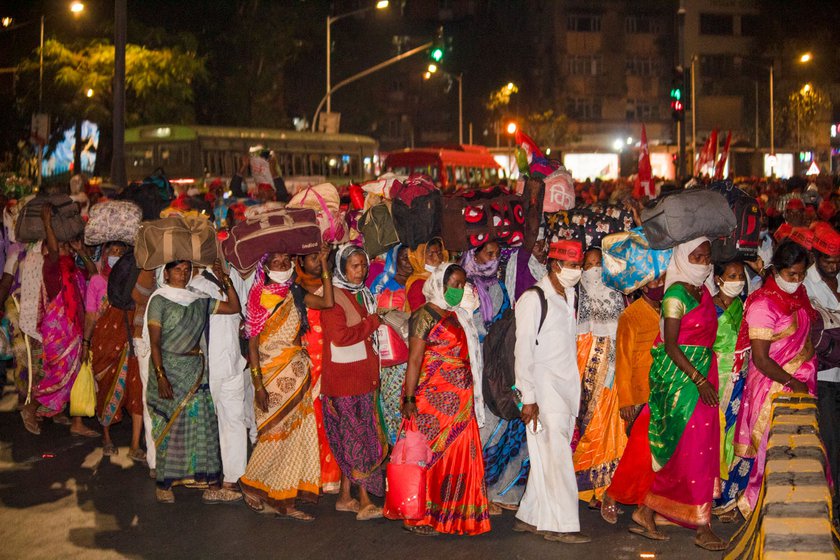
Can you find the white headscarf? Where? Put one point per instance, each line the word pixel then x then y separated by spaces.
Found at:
pixel 434 289
pixel 181 296
pixel 340 280
pixel 681 270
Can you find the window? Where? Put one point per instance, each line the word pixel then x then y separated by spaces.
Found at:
pixel 584 108
pixel 592 65
pixel 642 110
pixel 716 24
pixel 587 23
pixel 300 165
pixel 140 156
pixel 642 66
pixel 750 25
pixel 717 66
pixel 642 24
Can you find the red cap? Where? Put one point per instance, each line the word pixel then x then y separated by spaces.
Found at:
pixel 795 204
pixel 826 210
pixel 566 250
pixel 265 187
pixel 804 236
pixel 783 232
pixel 826 239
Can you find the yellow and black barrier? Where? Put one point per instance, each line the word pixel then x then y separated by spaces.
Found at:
pixel 792 519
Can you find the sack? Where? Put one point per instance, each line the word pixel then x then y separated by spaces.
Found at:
pixel 559 191
pixel 67 220
pixel 499 373
pixel 687 215
pixel 744 240
pixel 473 218
pixel 176 238
pixel 416 210
pixel 405 476
pixel 292 231
pixel 825 336
pixel 377 228
pixel 83 392
pixel 113 220
pixel 393 349
pixel 628 261
pixel 325 201
pixel 162 184
pixel 121 281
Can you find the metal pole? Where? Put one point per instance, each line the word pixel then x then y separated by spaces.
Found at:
pixel 118 156
pixel 681 62
pixel 772 117
pixel 693 115
pixel 461 109
pixel 471 136
pixel 756 115
pixel 41 100
pixel 329 48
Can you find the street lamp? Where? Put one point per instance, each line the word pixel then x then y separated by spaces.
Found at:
pixel 511 128
pixel 6 21
pixel 805 57
pixel 380 5
pixel 89 93
pixel 806 88
pixel 77 7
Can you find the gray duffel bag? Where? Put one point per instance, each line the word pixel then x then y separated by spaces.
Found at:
pixel 687 215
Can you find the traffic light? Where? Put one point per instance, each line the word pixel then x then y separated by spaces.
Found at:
pixel 436 54
pixel 677 95
pixel 438 47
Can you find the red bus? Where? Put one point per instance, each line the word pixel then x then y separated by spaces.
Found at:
pixel 452 167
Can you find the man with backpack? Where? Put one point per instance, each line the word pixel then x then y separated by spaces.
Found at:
pixel 548 379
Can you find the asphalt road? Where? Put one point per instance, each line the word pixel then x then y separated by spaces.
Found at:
pixel 60 498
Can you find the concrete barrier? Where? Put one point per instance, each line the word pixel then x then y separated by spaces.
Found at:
pixel 792 519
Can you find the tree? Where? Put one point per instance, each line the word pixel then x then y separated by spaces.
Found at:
pixel 801 111
pixel 549 130
pixel 78 85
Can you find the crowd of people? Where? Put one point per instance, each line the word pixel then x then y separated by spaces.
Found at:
pixel 270 388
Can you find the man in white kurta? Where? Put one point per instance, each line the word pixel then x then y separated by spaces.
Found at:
pixel 548 378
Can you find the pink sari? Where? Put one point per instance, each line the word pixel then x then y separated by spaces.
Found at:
pixel 61 329
pixel 784 320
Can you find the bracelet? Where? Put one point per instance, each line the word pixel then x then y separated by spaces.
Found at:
pixel 227 283
pixel 326 276
pixel 789 381
pixel 255 372
pixel 409 399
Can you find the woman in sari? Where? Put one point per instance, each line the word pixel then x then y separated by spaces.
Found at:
pixel 285 466
pixel 61 328
pixel 310 271
pixel 424 259
pixel 600 429
pixel 114 364
pixel 684 428
pixel 732 354
pixel 389 290
pixel 184 424
pixel 438 396
pixel 349 384
pixel 778 316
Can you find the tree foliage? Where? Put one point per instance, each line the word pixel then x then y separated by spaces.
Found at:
pixel 549 130
pixel 800 113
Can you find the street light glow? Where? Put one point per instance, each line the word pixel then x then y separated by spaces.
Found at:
pixel 618 144
pixel 7 21
pixel 510 86
pixel 511 128
pixel 77 7
pixel 89 92
pixel 806 88
pixel 432 68
pixel 382 4
pixel 807 57
pixel 427 75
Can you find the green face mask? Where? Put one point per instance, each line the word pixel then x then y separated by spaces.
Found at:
pixel 453 296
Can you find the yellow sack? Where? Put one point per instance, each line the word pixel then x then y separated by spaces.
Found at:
pixel 83 393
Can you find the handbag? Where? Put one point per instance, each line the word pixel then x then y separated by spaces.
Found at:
pixel 83 393
pixel 393 349
pixel 175 238
pixel 405 476
pixel 67 220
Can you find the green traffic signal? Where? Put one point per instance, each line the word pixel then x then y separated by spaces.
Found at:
pixel 676 93
pixel 437 54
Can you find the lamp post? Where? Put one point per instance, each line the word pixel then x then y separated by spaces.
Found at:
pixel 380 5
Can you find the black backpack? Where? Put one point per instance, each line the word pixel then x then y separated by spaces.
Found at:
pixel 122 280
pixel 499 373
pixel 419 221
pixel 744 240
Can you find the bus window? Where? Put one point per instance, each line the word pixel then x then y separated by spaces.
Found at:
pixel 450 176
pixel 460 175
pixel 141 156
pixel 317 165
pixel 475 176
pixel 299 165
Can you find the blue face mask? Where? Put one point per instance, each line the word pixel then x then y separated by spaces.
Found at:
pixel 112 260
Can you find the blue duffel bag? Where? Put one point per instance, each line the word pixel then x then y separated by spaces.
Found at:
pixel 628 261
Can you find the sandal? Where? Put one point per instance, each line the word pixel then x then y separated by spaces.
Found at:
pixel 730 516
pixel 508 507
pixel 421 530
pixel 369 512
pixel 648 534
pixel 352 506
pixel 61 419
pixel 710 541
pixel 85 432
pixel 110 450
pixel 137 455
pixel 220 496
pixel 164 496
pixel 254 503
pixel 494 509
pixel 609 513
pixel 29 422
pixel 296 515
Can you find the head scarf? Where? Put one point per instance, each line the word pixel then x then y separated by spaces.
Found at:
pixel 385 280
pixel 417 258
pixel 680 269
pixel 340 280
pixel 433 290
pixel 310 282
pixel 256 313
pixel 181 296
pixel 483 276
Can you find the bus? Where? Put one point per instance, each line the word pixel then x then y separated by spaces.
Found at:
pixel 451 167
pixel 195 152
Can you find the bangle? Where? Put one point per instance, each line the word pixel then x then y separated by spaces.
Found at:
pixel 326 276
pixel 255 372
pixel 789 381
pixel 409 399
pixel 159 372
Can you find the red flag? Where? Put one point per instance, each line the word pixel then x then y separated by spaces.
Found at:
pixel 724 155
pixel 644 178
pixel 701 158
pixel 707 156
pixel 527 144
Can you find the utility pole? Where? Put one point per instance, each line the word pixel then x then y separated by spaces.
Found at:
pixel 681 64
pixel 118 150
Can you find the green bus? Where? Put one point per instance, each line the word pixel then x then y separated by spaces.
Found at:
pixel 197 152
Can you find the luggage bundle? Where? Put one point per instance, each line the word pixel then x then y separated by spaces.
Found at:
pixel 67 220
pixel 472 218
pixel 628 261
pixel 686 215
pixel 325 201
pixel 175 238
pixel 113 220
pixel 378 229
pixel 589 225
pixel 744 240
pixel 271 229
pixel 416 208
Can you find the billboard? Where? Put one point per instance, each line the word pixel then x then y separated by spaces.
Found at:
pixel 60 159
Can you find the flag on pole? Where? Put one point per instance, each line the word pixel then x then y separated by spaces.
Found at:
pixel 701 158
pixel 644 178
pixel 724 155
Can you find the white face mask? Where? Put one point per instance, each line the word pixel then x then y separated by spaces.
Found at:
pixel 733 289
pixel 112 260
pixel 280 276
pixel 591 279
pixel 568 277
pixel 788 287
pixel 429 268
pixel 470 299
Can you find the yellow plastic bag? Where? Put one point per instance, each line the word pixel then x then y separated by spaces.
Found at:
pixel 83 393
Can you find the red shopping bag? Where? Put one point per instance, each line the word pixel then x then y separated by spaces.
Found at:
pixel 405 476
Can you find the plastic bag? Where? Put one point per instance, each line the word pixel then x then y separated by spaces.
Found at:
pixel 83 393
pixel 405 476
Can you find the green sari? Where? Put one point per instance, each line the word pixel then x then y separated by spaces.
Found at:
pixel 184 427
pixel 729 325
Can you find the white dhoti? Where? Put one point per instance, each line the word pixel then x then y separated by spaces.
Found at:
pixel 550 502
pixel 143 358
